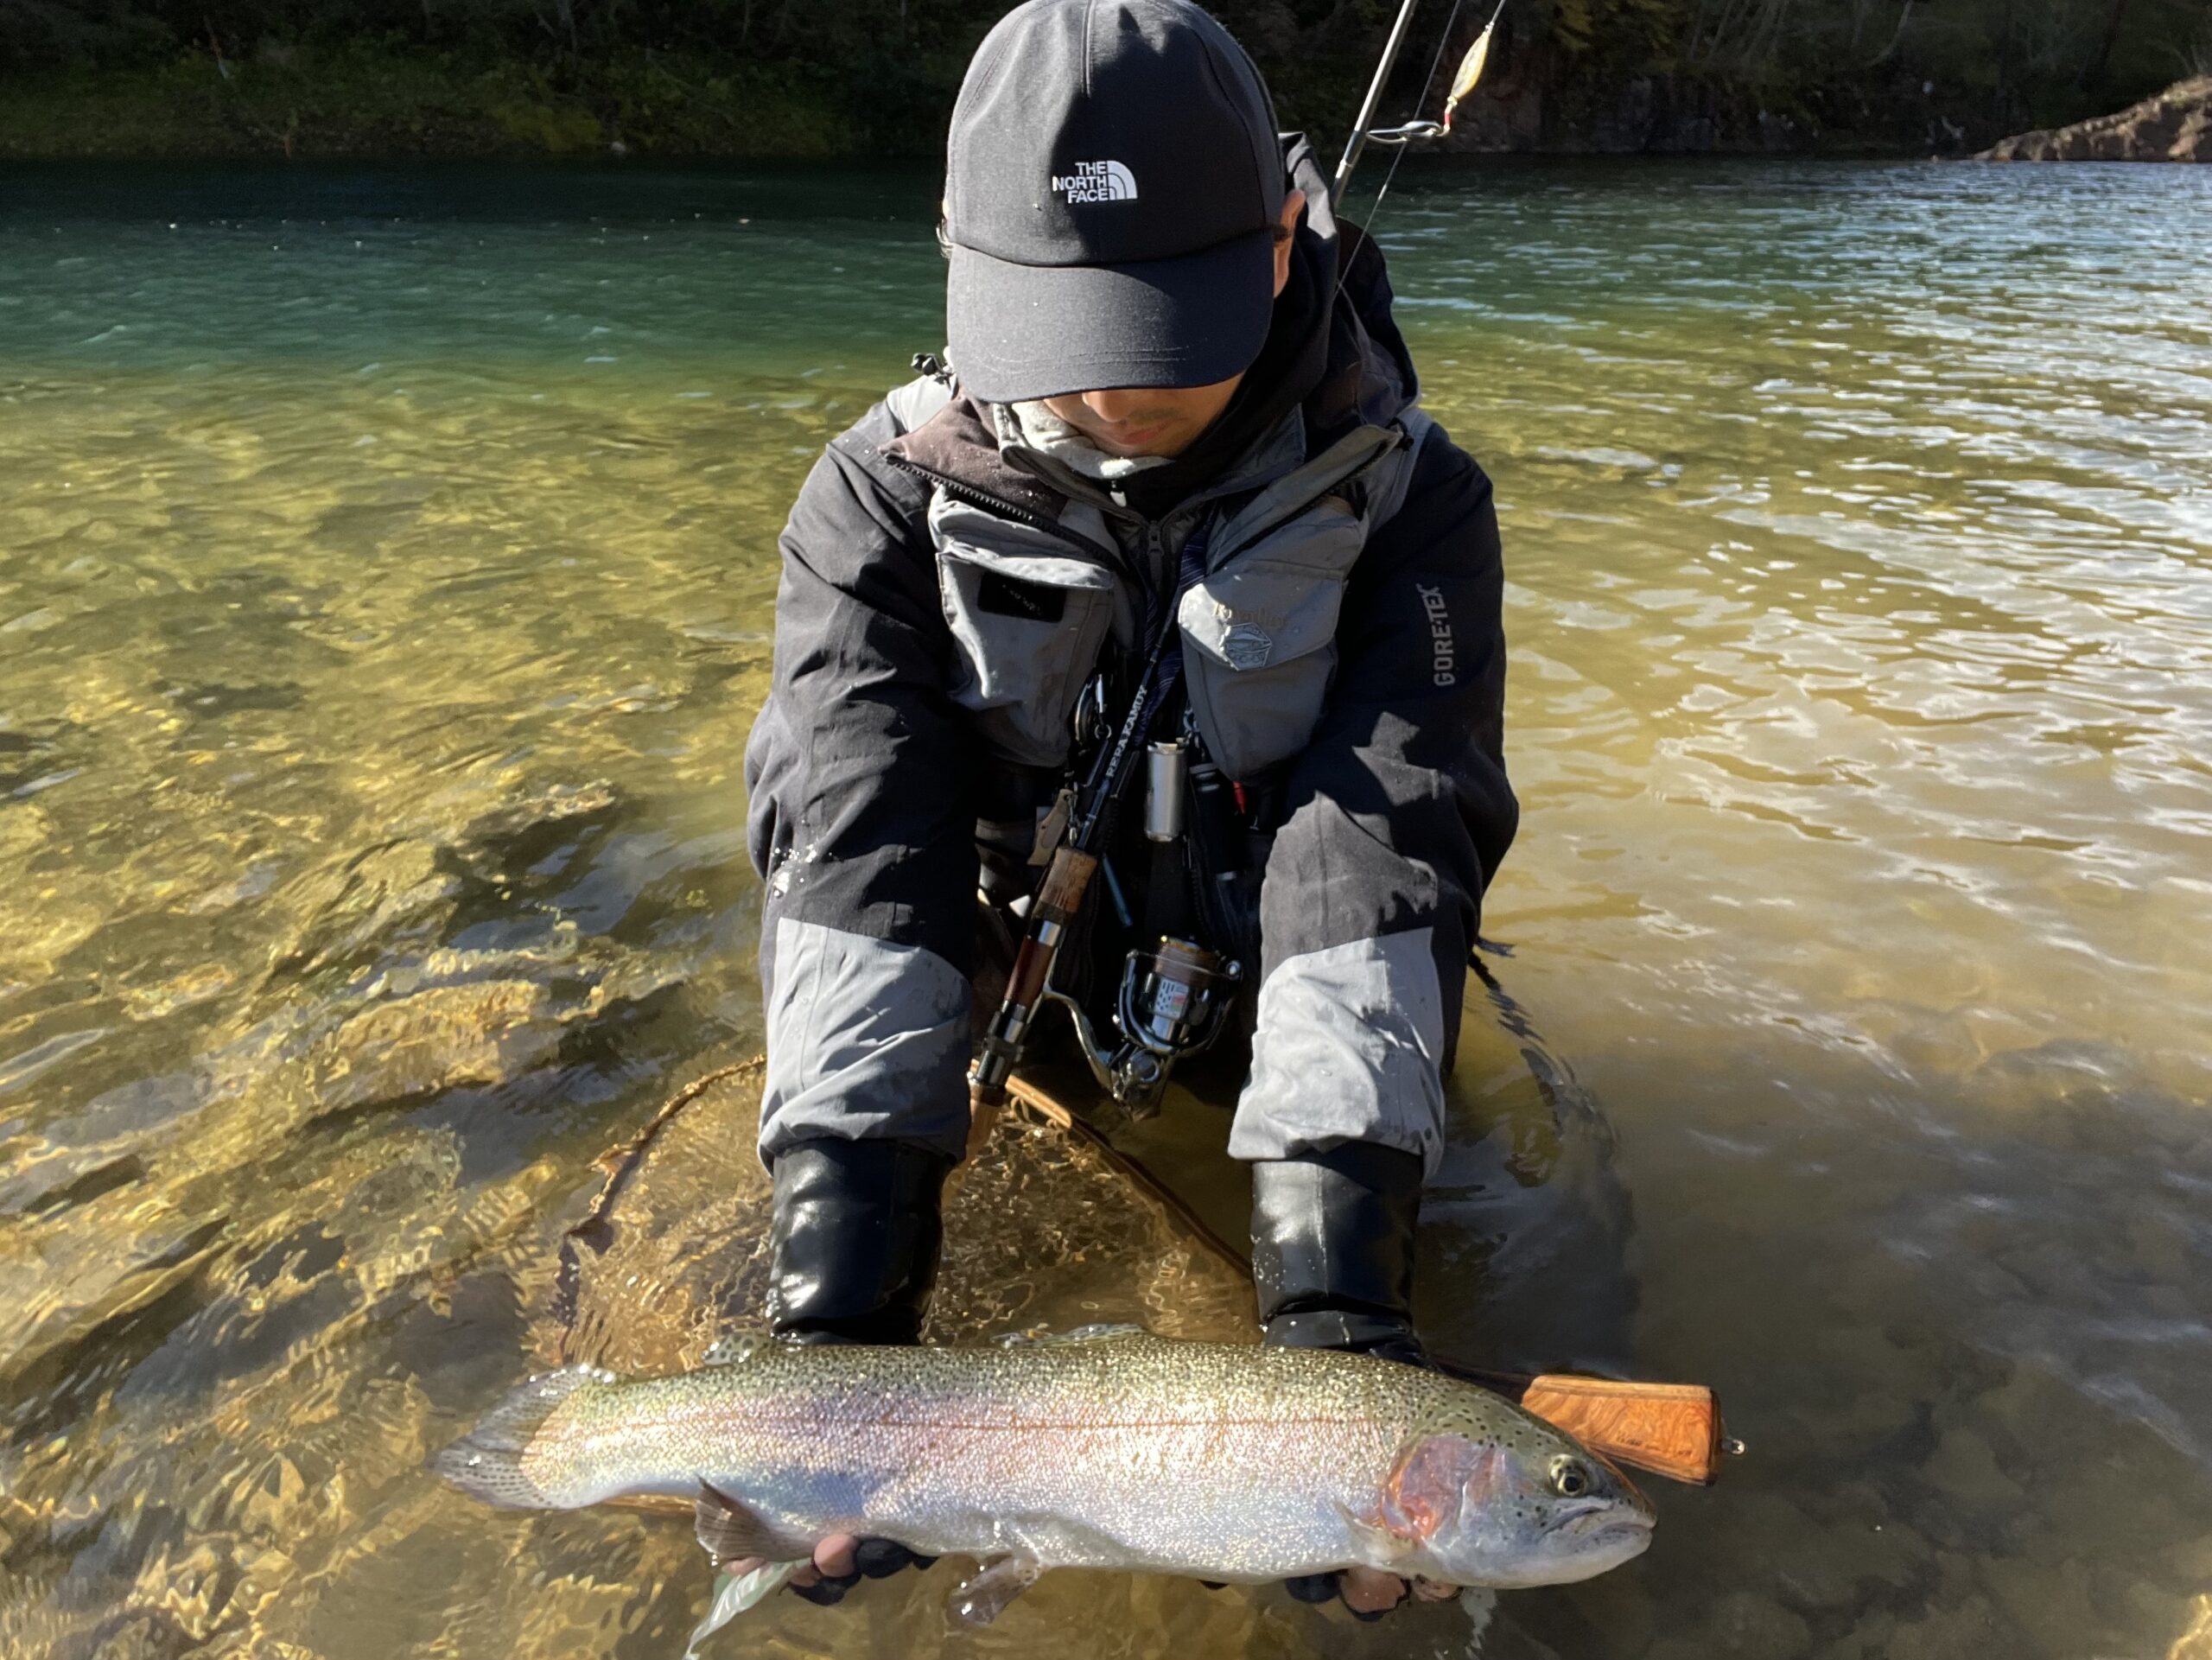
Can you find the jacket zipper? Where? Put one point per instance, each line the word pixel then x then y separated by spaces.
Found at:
pixel 991 504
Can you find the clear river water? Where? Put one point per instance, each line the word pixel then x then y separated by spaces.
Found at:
pixel 386 571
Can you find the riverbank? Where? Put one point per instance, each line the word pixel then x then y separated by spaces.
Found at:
pixel 159 79
pixel 366 102
pixel 2174 126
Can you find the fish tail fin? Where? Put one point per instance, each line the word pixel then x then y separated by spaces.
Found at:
pixel 488 1461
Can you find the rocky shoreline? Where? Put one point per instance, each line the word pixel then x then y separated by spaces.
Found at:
pixel 2174 126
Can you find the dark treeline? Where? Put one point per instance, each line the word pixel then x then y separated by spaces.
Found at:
pixel 832 76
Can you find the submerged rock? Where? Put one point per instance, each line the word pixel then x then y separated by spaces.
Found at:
pixel 482 1032
pixel 2174 126
pixel 67 1288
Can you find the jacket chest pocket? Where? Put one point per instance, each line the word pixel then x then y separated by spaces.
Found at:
pixel 1260 637
pixel 1029 616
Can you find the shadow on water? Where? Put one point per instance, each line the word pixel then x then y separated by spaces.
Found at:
pixel 1527 1227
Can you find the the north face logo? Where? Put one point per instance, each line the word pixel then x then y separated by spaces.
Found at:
pixel 1095 182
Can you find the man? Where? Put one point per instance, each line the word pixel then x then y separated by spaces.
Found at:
pixel 1175 390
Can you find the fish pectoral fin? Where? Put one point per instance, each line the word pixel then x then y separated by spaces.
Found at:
pixel 984 1598
pixel 729 1531
pixel 1481 1604
pixel 733 1594
pixel 1377 1545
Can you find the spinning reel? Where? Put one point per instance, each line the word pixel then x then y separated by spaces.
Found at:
pixel 1171 1006
pixel 1173 998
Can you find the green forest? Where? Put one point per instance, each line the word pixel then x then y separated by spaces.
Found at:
pixel 800 78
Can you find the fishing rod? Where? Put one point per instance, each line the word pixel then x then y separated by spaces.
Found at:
pixel 1357 143
pixel 1058 901
pixel 1462 82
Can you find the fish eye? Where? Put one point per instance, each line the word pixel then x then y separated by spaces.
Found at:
pixel 1570 1478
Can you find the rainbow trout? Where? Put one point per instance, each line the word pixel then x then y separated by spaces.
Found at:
pixel 1111 1449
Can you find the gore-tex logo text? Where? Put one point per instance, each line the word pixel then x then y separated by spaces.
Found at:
pixel 1439 635
pixel 1095 182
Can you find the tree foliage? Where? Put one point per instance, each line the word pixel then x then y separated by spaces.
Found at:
pixel 880 73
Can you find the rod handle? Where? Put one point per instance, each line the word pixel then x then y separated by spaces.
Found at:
pixel 1059 896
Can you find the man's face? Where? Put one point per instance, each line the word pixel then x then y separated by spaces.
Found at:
pixel 1163 420
pixel 1145 420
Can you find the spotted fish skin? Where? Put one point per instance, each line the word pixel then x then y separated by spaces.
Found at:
pixel 1126 1451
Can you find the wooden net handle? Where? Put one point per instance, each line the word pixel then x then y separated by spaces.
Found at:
pixel 1669 1429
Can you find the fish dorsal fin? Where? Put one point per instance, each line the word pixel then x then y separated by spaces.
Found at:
pixel 730 1531
pixel 1104 1333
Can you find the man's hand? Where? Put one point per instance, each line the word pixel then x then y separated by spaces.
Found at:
pixel 1368 1592
pixel 841 1562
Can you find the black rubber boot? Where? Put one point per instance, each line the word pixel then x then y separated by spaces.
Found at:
pixel 1333 1250
pixel 854 1239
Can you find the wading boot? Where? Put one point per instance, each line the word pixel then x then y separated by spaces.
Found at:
pixel 1332 1259
pixel 853 1242
pixel 1333 1250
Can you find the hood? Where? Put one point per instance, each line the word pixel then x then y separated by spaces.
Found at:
pixel 1368 374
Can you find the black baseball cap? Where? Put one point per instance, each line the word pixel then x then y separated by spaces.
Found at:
pixel 1113 180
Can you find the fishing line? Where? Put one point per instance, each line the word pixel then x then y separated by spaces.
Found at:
pixel 1428 81
pixel 1344 270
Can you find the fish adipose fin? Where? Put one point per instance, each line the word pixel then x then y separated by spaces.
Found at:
pixel 487 1460
pixel 729 1531
pixel 984 1598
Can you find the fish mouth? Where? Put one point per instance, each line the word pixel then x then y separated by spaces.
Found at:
pixel 1619 1529
pixel 1595 1543
pixel 1611 1533
pixel 1610 1542
pixel 1603 1516
pixel 1578 1547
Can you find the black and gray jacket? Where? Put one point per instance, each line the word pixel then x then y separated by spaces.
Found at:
pixel 947 591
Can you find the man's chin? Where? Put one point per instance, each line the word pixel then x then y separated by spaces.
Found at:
pixel 1145 441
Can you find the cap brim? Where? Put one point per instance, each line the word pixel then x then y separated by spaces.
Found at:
pixel 1023 332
